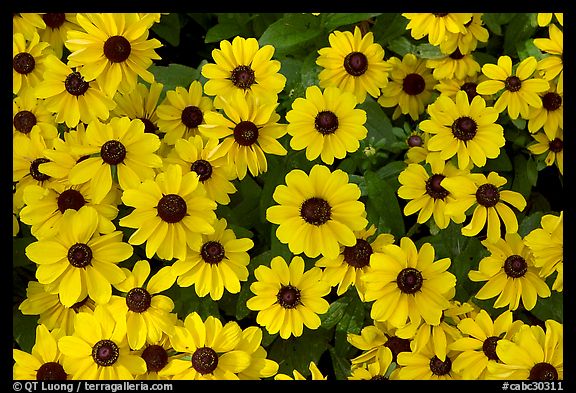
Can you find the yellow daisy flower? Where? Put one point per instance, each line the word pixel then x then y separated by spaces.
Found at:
pixel 249 130
pixel 437 26
pixel 98 349
pixel 140 103
pixel 201 156
pixel 353 261
pixel 288 297
pixel 544 18
pixel 550 116
pixel 468 41
pixel 315 375
pixel 30 115
pixel 241 65
pixel 451 87
pixel 70 96
pixel 518 90
pixel 317 213
pixel 28 61
pixel 466 129
pixel 44 363
pixel 533 354
pixel 260 367
pixel 417 143
pixel 57 26
pixel 171 214
pixel 114 49
pixel 377 370
pixel 477 189
pixel 326 124
pixel 354 63
pixel 212 348
pixel 510 273
pixel 547 246
pixel 553 147
pixel 410 87
pixel 407 285
pixel 454 65
pixel 120 146
pixel 218 264
pixel 180 114
pixel 27 23
pixel 77 262
pixel 162 361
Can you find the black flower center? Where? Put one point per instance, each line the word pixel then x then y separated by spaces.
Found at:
pixel 202 168
pixel 464 128
pixel 24 121
pixel 79 255
pixel 172 208
pixel 105 353
pixel 433 187
pixel 515 266
pixel 358 255
pixel 470 89
pixel 117 49
pixel 149 126
pixel 439 367
pixel 409 280
pixel 378 378
pixel 556 145
pixel 288 296
pixel 205 360
pixel 113 152
pixel 75 84
pixel 440 14
pixel 551 101
pixel 326 122
pixel 243 77
pixel 23 63
pixel 192 116
pixel 155 357
pixel 54 19
pixel 456 55
pixel 355 63
pixel 513 83
pixel 246 133
pixel 489 347
pixel 413 84
pixel 488 195
pixel 397 345
pixel 212 252
pixel 138 300
pixel 543 372
pixel 35 172
pixel 315 211
pixel 415 141
pixel 51 371
pixel 70 199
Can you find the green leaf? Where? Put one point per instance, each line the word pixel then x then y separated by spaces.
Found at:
pixel 169 28
pixel 390 171
pixel 522 182
pixel 388 27
pixel 340 364
pixel 401 46
pixel 382 199
pixel 499 164
pixel 290 31
pixel 352 321
pixel 222 31
pixel 520 28
pixel 333 21
pixel 529 223
pixel 174 75
pixel 378 124
pixel 494 21
pixel 24 330
pixel 551 307
pixel 428 51
pixel 19 245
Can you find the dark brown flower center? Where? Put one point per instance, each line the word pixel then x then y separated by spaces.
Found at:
pixel 70 199
pixel 192 116
pixel 113 152
pixel 149 126
pixel 172 208
pixel 415 141
pixel 515 266
pixel 513 83
pixel 556 145
pixel 23 63
pixel 551 101
pixel 80 255
pixel 456 55
pixel 243 77
pixel 202 168
pixel 433 187
pixel 315 211
pixel 212 252
pixel 440 14
pixel 464 128
pixel 397 345
pixel 205 360
pixel 117 49
pixel 358 255
pixel 75 84
pixel 76 306
pixel 439 367
pixel 155 357
pixel 378 378
pixel 138 300
pixel 35 172
pixel 24 121
pixel 355 63
pixel 51 371
pixel 543 372
pixel 105 353
pixel 409 280
pixel 246 133
pixel 326 122
pixel 489 347
pixel 413 84
pixel 54 20
pixel 288 296
pixel 488 195
pixel 470 89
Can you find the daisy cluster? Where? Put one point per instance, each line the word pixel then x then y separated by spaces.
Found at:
pixel 121 185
